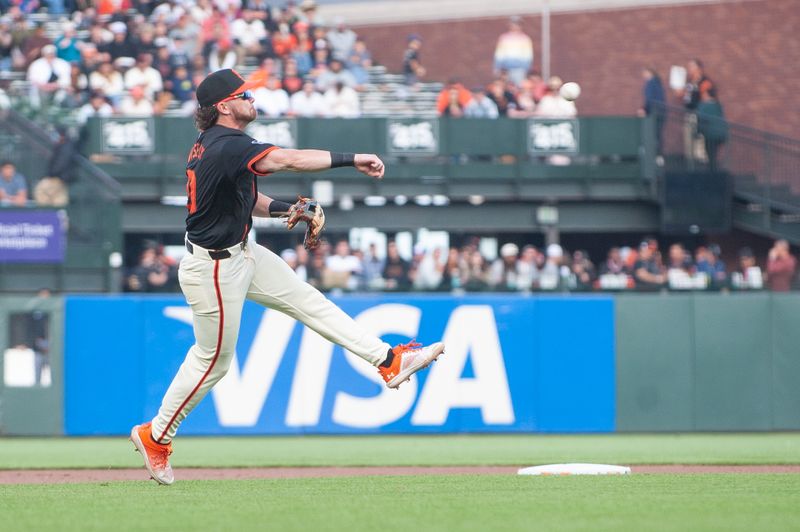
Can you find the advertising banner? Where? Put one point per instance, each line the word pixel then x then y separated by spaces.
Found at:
pixel 33 236
pixel 511 364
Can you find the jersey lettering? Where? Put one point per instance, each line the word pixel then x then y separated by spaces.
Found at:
pixel 191 190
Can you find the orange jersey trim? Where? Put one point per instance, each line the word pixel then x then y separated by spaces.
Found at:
pixel 254 160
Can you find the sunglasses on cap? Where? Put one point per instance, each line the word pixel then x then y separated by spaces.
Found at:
pixel 246 95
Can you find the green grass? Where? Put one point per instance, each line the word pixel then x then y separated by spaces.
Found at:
pixel 45 453
pixel 480 503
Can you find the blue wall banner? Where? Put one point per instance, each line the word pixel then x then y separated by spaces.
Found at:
pixel 511 364
pixel 31 236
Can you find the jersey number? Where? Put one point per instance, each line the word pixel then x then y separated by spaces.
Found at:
pixel 191 191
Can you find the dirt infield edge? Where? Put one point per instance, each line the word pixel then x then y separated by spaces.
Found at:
pixel 64 476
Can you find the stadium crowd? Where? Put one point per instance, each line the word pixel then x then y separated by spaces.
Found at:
pixel 646 267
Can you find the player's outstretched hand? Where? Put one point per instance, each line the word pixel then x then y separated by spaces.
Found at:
pixel 369 164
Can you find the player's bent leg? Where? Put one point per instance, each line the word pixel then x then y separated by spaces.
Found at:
pixel 276 286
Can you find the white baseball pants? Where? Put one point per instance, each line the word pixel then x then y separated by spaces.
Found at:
pixel 216 291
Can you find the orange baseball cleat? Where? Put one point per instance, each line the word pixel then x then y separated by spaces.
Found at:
pixel 156 455
pixel 408 359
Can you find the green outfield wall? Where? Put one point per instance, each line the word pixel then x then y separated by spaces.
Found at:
pixel 708 362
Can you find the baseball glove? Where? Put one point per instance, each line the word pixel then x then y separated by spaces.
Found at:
pixel 309 211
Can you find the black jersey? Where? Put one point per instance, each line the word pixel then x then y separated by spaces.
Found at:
pixel 221 186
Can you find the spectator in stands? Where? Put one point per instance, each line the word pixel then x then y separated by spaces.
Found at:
pixel 179 54
pixel 181 86
pixel 67 44
pixel 96 106
pixel 528 268
pixel 679 259
pixel 33 45
pixel 583 270
pixel 302 55
pixel 481 106
pixel 284 42
pixel 91 59
pixel 49 77
pixel 781 267
pixel 648 272
pixel 310 14
pixel 266 70
pixel 475 275
pixel 13 186
pixel 51 190
pixel 359 61
pixel 107 80
pixel 504 273
pixel 342 101
pixel 412 64
pixel 342 40
pixel 342 268
pixel 136 103
pixel 291 82
pixel 711 124
pixel 514 51
pixel 504 99
pixel 272 100
pixel 429 271
pixel 552 104
pixel 249 35
pixel 290 257
pixel 221 56
pixel 308 102
pixel 162 62
pixel 143 75
pixel 335 74
pixel 395 270
pixel 443 100
pixel 372 268
pixel 653 102
pixel 614 264
pixel 144 40
pixel 697 84
pixel 748 275
pixel 710 264
pixel 454 108
pixel 214 28
pixel 153 273
pixel 120 46
pixel 7 48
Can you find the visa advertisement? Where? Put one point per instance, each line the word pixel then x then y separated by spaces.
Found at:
pixel 511 364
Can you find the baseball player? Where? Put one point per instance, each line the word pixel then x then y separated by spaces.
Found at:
pixel 221 269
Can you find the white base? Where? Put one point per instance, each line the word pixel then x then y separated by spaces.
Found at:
pixel 575 469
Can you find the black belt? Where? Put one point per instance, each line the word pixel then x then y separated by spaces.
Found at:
pixel 215 255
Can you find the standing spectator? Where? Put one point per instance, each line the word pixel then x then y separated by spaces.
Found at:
pixel 143 75
pixel 503 274
pixel 412 64
pixel 710 264
pixel 648 272
pixel 429 272
pixel 395 271
pixel 552 104
pixel 271 100
pixel 781 267
pixel 748 275
pixel 527 268
pixel 342 102
pixel 13 186
pixel 712 125
pixel 49 77
pixel 514 51
pixel 481 106
pixel 372 267
pixel 697 84
pixel 654 101
pixel 583 270
pixel 308 102
pixel 342 40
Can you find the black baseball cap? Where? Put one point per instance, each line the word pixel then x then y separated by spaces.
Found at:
pixel 219 85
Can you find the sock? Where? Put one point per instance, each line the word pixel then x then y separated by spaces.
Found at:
pixel 389 359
